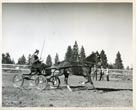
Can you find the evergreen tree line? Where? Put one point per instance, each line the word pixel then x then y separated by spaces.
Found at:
pixel 73 55
pixel 6 59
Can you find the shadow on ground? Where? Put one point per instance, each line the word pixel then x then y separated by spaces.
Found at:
pixel 79 88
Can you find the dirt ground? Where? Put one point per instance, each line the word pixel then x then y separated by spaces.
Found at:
pixel 115 93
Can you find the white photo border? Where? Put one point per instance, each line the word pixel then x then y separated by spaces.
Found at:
pixel 75 1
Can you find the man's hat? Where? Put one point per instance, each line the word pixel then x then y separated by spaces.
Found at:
pixel 37 51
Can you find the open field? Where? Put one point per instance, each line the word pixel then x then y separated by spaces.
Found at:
pixel 115 93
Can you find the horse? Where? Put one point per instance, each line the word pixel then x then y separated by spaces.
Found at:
pixel 65 68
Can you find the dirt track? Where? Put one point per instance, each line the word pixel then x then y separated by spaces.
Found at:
pixel 112 93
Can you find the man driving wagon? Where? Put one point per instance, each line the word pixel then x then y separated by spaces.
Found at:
pixel 41 71
pixel 36 63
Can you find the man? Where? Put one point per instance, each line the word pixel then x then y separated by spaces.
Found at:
pixel 35 57
pixel 101 73
pixel 36 62
pixel 107 73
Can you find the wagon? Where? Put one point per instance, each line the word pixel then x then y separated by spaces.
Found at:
pixel 40 81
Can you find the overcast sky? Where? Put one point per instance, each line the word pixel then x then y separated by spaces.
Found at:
pixel 95 26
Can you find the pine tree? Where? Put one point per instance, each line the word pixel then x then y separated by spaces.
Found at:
pixel 75 55
pixel 49 60
pixel 22 60
pixel 75 59
pixel 56 59
pixel 97 57
pixel 127 68
pixel 103 58
pixel 118 61
pixel 29 59
pixel 68 54
pixel 82 54
pixel 6 59
pixel 3 58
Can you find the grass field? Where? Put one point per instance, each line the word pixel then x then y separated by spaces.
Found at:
pixel 115 93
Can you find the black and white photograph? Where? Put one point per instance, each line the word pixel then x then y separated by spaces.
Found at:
pixel 67 55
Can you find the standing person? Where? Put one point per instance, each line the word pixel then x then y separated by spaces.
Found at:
pixel 107 73
pixel 101 73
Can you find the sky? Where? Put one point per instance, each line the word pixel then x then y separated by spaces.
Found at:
pixel 96 26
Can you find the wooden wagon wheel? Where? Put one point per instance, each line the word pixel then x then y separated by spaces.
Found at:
pixel 54 82
pixel 18 80
pixel 41 82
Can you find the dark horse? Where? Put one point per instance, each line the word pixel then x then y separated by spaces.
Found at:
pixel 65 68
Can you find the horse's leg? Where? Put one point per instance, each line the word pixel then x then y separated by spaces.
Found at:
pixel 90 80
pixel 100 76
pixel 95 75
pixel 85 76
pixel 66 75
